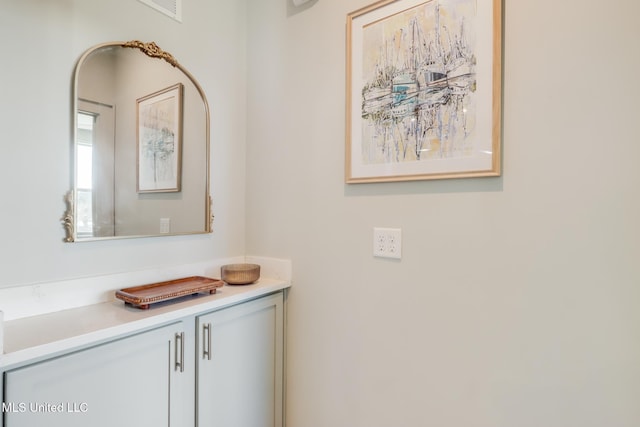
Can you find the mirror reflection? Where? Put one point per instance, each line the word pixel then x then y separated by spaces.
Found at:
pixel 141 146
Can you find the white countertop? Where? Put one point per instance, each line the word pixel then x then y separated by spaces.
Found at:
pixel 34 337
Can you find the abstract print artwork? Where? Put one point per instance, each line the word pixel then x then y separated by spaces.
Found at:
pixel 159 140
pixel 423 90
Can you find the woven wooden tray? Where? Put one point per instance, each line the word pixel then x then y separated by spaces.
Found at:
pixel 143 296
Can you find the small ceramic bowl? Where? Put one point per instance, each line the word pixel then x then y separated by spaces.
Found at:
pixel 240 274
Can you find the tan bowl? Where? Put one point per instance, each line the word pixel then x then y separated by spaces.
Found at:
pixel 240 274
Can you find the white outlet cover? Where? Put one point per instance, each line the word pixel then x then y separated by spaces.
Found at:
pixel 387 242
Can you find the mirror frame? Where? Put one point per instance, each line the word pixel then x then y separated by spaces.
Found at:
pixel 152 50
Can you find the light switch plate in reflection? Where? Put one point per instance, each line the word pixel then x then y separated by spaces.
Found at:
pixel 165 225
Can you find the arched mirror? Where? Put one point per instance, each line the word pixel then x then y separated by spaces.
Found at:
pixel 141 146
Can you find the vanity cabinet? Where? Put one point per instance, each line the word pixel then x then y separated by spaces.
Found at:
pixel 240 365
pixel 132 381
pixel 216 367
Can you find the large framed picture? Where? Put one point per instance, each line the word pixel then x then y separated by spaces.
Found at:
pixel 424 90
pixel 159 142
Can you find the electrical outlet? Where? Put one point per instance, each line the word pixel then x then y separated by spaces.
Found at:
pixel 387 242
pixel 165 225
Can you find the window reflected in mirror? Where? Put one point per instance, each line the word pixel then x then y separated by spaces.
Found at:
pixel 84 173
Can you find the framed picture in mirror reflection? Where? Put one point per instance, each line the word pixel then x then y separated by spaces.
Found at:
pixel 159 140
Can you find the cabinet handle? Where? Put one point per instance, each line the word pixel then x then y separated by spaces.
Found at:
pixel 206 341
pixel 179 351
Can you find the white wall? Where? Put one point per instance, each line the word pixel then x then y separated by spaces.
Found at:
pixel 516 301
pixel 41 42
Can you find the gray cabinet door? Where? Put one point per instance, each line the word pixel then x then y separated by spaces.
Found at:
pixel 128 382
pixel 240 365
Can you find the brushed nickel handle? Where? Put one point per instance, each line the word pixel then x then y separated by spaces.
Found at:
pixel 179 350
pixel 206 341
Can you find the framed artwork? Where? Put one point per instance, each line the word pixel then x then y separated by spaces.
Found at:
pixel 424 90
pixel 159 140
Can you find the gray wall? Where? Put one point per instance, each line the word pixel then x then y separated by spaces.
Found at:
pixel 516 300
pixel 41 42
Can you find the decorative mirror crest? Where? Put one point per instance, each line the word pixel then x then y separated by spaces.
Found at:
pixel 149 174
pixel 152 50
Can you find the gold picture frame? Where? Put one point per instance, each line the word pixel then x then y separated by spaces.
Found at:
pixel 424 90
